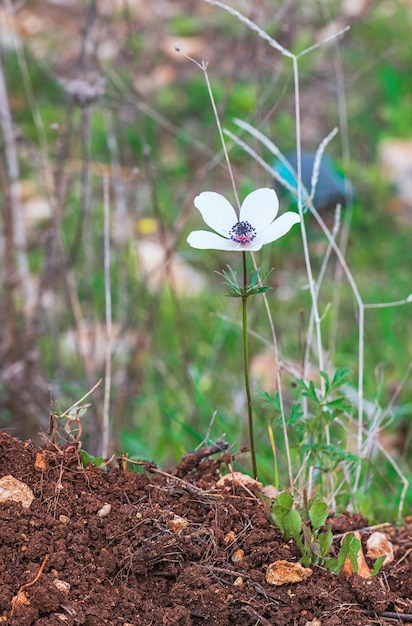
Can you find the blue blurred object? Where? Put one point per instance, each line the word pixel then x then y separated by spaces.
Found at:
pixel 332 187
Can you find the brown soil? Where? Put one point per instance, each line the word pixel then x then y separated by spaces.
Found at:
pixel 61 562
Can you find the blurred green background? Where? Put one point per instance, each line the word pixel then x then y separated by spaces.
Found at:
pixel 97 89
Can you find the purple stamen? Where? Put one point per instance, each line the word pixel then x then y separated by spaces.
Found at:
pixel 242 232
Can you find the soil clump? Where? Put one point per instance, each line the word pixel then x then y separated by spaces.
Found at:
pixel 153 548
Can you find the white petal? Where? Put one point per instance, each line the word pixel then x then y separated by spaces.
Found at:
pixel 205 240
pixel 260 208
pixel 278 228
pixel 216 211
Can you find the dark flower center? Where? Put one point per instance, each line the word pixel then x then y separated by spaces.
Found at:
pixel 242 232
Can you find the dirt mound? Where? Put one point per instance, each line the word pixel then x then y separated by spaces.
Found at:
pixel 154 548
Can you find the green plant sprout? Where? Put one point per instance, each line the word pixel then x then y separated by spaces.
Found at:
pixel 316 410
pixel 305 527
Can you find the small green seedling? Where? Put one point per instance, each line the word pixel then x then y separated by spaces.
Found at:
pixel 378 564
pixel 305 528
pixel 87 459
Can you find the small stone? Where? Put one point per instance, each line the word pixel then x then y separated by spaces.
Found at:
pixel 105 510
pixel 229 537
pixel 238 582
pixel 237 478
pixel 285 572
pixel 379 545
pixel 15 490
pixel 238 556
pixel 40 464
pixel 177 524
pixel 64 519
pixel 62 586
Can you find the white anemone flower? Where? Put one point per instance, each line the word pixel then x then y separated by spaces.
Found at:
pixel 256 225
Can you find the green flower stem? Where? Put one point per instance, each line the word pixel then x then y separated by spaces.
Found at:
pixel 246 368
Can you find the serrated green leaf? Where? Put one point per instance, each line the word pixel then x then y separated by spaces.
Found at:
pixel 296 414
pixel 339 404
pixel 341 376
pixel 271 402
pixel 312 390
pixel 334 453
pixel 301 384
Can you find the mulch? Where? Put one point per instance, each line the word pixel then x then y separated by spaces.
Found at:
pixel 152 548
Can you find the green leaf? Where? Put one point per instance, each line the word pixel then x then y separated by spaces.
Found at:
pixel 230 279
pixel 293 526
pixel 285 499
pixel 309 391
pixel 278 515
pixel 353 551
pixel 253 291
pixel 88 458
pixel 378 564
pixel 332 452
pixel 254 279
pixel 312 391
pixel 341 376
pixel 339 404
pixel 318 513
pixel 325 541
pixel 296 414
pixel 326 379
pixel 349 548
pixel 280 509
pixel 271 402
pixel 306 560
